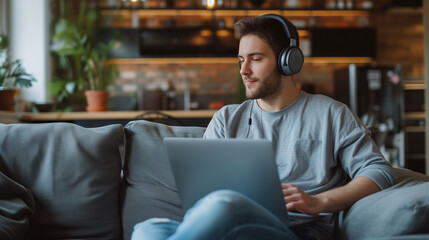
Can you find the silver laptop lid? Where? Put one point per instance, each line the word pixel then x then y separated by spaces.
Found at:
pixel 201 166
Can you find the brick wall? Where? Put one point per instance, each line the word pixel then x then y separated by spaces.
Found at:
pixel 207 82
pixel 399 41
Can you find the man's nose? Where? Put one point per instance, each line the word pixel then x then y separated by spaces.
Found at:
pixel 244 68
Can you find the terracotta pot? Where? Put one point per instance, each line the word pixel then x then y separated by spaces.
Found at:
pixel 7 99
pixel 97 100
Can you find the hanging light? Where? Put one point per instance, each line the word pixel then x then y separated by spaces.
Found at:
pixel 210 4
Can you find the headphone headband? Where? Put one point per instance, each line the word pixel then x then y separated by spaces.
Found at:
pixel 290 58
pixel 287 26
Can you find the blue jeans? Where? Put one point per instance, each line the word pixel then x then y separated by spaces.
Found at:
pixel 221 215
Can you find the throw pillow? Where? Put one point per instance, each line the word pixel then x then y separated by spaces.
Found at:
pixel 73 173
pixel 399 210
pixel 149 188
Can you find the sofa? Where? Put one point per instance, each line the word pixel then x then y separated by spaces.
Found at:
pixel 64 181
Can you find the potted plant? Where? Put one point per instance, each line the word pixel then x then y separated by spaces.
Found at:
pixel 12 75
pixel 90 74
pixel 82 57
pixel 100 76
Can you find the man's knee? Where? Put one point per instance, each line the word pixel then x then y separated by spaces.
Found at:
pixel 222 202
pixel 154 228
pixel 224 196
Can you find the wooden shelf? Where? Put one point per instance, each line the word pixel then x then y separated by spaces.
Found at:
pixel 405 11
pixel 415 115
pixel 414 85
pixel 231 60
pixel 234 12
pixel 7 117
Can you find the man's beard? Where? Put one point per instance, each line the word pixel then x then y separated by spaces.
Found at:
pixel 269 86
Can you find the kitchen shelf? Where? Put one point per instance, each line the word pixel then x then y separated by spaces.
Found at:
pixel 418 84
pixel 234 12
pixel 405 11
pixel 414 115
pixel 230 60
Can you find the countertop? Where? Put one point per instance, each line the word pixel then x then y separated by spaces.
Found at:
pixel 17 117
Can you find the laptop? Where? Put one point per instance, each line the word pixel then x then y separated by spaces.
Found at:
pixel 201 166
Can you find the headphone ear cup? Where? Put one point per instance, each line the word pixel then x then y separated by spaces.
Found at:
pixel 280 60
pixel 290 61
pixel 295 60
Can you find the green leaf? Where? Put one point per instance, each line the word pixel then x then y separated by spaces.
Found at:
pixel 4 41
pixel 56 86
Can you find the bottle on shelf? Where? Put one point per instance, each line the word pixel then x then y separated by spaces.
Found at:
pixel 292 4
pixel 350 4
pixel 340 4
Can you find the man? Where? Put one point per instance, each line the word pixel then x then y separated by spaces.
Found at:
pixel 325 156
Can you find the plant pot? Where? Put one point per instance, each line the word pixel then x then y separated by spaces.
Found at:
pixel 97 100
pixel 7 99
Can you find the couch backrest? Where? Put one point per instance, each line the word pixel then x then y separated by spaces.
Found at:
pixel 72 174
pixel 148 188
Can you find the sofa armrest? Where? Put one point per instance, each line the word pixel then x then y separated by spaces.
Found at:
pixel 402 209
pixel 17 207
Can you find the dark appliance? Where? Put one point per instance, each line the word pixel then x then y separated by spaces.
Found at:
pixel 375 95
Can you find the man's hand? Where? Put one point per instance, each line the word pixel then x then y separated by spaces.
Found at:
pixel 298 201
pixel 333 200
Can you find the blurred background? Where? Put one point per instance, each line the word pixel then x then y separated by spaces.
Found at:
pixel 171 55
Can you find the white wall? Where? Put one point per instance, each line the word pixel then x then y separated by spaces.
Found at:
pixel 29 41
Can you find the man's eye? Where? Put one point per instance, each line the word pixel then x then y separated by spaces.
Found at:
pixel 256 59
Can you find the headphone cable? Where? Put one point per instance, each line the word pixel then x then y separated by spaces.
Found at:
pixel 250 119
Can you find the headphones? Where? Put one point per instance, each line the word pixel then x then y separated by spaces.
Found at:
pixel 291 58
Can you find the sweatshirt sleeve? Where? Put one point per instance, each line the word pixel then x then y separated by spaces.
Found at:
pixel 216 128
pixel 357 152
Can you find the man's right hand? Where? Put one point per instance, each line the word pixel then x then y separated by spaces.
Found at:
pixel 298 201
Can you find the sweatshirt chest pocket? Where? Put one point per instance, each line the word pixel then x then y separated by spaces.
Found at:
pixel 300 159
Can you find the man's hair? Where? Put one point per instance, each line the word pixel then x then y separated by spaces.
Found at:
pixel 269 29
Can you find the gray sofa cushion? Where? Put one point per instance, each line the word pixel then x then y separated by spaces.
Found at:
pixel 149 189
pixel 399 210
pixel 16 209
pixel 73 174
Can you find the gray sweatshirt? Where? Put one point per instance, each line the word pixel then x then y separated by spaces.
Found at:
pixel 319 143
